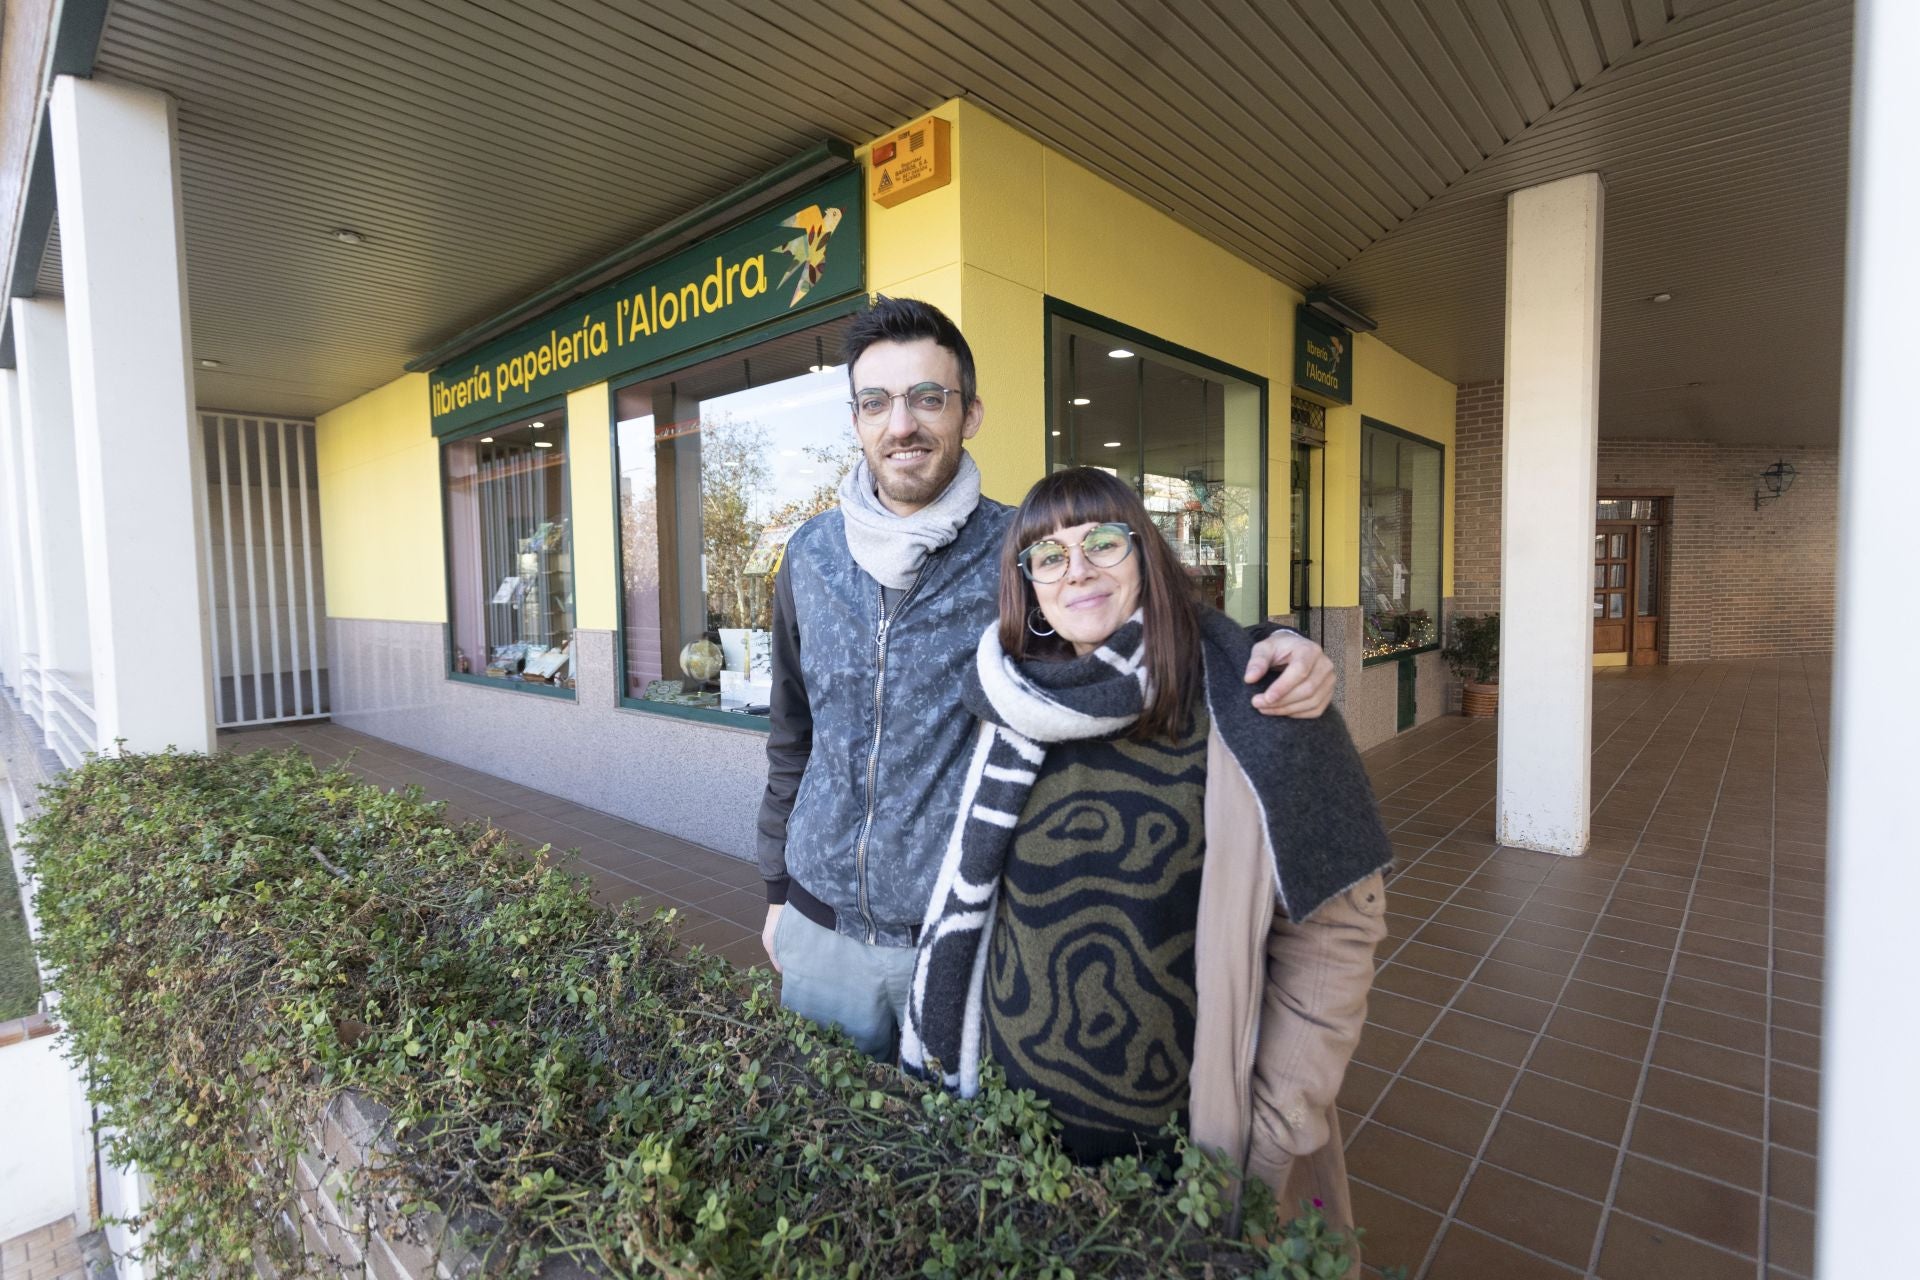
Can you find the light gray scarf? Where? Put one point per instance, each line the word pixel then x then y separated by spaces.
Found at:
pixel 891 547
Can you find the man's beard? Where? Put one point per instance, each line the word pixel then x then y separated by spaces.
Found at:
pixel 914 490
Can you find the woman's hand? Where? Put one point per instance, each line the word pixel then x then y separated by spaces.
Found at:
pixel 1304 689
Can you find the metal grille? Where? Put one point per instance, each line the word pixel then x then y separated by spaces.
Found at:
pixel 266 615
pixel 1309 422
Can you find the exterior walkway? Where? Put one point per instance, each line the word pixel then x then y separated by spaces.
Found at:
pixel 1604 1065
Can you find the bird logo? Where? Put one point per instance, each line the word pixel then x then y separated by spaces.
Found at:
pixel 808 249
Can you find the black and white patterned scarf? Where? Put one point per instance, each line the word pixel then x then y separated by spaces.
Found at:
pixel 1322 827
pixel 1022 708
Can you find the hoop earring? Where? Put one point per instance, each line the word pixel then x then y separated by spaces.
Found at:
pixel 1030 624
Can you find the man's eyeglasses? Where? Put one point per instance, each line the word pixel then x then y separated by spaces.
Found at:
pixel 926 401
pixel 1104 546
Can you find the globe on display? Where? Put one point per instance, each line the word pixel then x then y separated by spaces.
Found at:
pixel 702 660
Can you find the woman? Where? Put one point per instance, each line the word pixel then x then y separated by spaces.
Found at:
pixel 1154 903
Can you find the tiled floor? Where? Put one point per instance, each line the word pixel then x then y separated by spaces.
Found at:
pixel 45 1253
pixel 1603 1066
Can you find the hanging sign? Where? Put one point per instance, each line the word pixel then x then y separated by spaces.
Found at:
pixel 1322 357
pixel 807 250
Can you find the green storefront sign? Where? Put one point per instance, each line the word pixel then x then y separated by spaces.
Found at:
pixel 807 250
pixel 1322 357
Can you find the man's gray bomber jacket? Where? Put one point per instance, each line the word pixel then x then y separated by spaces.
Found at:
pixel 868 739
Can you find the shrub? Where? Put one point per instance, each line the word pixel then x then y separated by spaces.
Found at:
pixel 1474 654
pixel 240 938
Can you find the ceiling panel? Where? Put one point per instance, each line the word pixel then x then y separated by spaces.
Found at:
pixel 1724 151
pixel 487 148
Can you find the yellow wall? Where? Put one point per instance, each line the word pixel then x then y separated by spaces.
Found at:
pixel 1020 223
pixel 1017 224
pixel 590 480
pixel 379 474
pixel 380 515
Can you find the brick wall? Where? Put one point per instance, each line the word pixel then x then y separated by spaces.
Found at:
pixel 1740 583
pixel 1476 496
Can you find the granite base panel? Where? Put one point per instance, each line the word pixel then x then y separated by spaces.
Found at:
pixel 1369 697
pixel 698 781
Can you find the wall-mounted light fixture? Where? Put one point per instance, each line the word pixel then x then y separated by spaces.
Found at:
pixel 1321 302
pixel 1778 478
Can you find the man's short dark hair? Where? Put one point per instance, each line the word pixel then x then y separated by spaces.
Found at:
pixel 908 320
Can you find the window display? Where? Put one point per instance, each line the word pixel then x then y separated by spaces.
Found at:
pixel 510 553
pixel 1185 434
pixel 719 464
pixel 1400 541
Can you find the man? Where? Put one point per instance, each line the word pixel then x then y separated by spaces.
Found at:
pixel 876 613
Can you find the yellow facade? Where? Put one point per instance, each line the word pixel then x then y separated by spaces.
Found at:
pixel 1018 224
pixel 590 485
pixel 379 472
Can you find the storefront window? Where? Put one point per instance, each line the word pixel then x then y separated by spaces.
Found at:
pixel 510 553
pixel 1186 435
pixel 719 464
pixel 1400 540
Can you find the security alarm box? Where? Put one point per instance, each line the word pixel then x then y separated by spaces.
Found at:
pixel 910 163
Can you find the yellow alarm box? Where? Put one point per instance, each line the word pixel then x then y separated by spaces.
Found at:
pixel 910 163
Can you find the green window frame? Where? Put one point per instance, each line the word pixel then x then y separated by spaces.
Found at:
pixel 552 407
pixel 739 344
pixel 1403 622
pixel 1062 443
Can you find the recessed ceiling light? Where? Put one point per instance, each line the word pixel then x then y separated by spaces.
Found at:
pixel 539 426
pixel 818 368
pixel 1119 353
pixel 1055 433
pixel 209 364
pixel 347 235
pixel 486 439
pixel 543 444
pixel 1661 297
pixel 1079 400
pixel 1113 444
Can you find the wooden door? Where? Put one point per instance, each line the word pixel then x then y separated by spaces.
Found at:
pixel 1612 587
pixel 1628 560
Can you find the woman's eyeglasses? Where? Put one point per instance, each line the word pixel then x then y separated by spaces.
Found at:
pixel 1104 546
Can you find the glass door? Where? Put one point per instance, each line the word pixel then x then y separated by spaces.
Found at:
pixel 1300 589
pixel 1629 548
pixel 1612 567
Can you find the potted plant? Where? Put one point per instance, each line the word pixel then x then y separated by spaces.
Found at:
pixel 1474 656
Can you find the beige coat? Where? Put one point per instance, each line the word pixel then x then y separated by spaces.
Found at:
pixel 1281 1005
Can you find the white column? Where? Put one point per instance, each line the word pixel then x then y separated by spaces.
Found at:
pixel 51 484
pixel 16 595
pixel 1870 1114
pixel 1552 440
pixel 137 436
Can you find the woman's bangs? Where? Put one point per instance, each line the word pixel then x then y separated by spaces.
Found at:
pixel 1063 501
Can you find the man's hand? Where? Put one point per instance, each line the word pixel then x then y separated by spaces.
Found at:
pixel 773 920
pixel 1304 689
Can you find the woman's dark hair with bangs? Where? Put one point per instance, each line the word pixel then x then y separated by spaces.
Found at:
pixel 1171 610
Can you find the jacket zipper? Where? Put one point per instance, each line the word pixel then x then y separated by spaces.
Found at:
pixel 873 752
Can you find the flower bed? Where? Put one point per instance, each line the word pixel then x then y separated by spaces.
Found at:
pixel 240 940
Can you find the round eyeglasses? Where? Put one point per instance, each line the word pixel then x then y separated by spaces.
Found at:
pixel 926 401
pixel 1104 546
